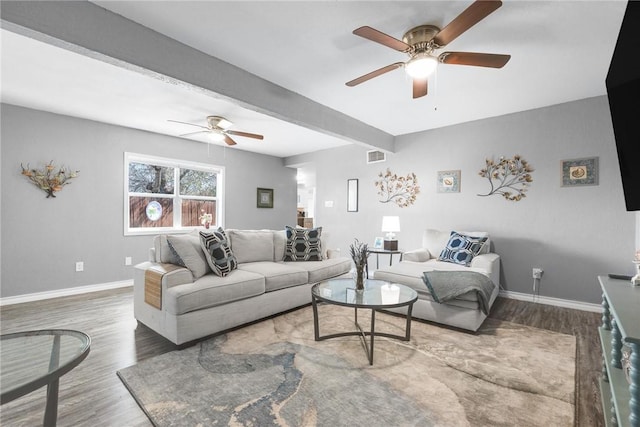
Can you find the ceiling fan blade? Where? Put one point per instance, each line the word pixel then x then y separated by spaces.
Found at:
pixel 375 73
pixel 228 140
pixel 382 38
pixel 190 124
pixel 419 88
pixel 476 59
pixel 245 134
pixel 475 13
pixel 193 133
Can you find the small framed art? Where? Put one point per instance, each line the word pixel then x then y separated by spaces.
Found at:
pixel 352 195
pixel 377 244
pixel 449 181
pixel 577 172
pixel 265 197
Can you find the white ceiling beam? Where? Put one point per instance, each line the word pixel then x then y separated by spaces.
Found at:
pixel 88 29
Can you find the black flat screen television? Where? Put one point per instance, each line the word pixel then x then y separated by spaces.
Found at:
pixel 623 90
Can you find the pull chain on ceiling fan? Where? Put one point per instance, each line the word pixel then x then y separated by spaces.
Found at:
pixel 422 42
pixel 218 128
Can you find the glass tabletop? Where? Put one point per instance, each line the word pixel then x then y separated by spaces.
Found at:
pixel 32 359
pixel 377 293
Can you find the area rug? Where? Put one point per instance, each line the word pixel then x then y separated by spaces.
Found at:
pixel 275 373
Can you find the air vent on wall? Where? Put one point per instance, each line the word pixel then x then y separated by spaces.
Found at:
pixel 375 156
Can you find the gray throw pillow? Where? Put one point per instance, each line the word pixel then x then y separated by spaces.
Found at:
pixel 187 248
pixel 217 252
pixel 303 244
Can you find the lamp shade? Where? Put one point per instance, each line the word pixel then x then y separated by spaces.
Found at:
pixel 390 224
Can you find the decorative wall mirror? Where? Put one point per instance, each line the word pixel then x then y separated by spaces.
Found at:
pixel 352 195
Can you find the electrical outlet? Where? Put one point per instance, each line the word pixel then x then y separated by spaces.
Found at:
pixel 537 273
pixel 79 266
pixel 127 261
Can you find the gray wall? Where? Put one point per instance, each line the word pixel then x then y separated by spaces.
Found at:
pixel 43 238
pixel 573 234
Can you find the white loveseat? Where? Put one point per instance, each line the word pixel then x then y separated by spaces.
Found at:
pixel 183 305
pixel 462 312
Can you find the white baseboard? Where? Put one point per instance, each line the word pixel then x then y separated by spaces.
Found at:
pixel 578 305
pixel 64 292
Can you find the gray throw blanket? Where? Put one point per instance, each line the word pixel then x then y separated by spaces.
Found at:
pixel 446 285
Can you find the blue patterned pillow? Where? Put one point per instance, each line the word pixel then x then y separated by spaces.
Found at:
pixel 217 251
pixel 461 248
pixel 303 244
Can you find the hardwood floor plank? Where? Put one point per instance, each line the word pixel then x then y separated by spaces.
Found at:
pixel 92 394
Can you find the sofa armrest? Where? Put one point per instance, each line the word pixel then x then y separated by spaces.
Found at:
pixel 417 255
pixel 489 262
pixel 333 253
pixel 172 275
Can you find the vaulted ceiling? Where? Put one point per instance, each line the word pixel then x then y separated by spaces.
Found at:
pixel 298 56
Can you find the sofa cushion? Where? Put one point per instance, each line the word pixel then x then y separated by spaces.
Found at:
pixel 410 274
pixel 328 268
pixel 162 251
pixel 189 254
pixel 279 244
pixel 303 244
pixel 434 241
pixel 461 249
pixel 277 275
pixel 212 290
pixel 217 251
pixel 251 245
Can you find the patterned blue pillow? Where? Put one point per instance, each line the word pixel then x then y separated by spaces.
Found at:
pixel 303 244
pixel 461 248
pixel 217 251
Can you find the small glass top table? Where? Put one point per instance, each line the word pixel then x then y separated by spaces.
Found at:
pixel 377 295
pixel 30 360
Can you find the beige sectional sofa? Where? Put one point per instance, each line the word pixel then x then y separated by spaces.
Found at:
pixel 462 312
pixel 182 304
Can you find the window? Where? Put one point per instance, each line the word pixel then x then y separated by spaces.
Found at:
pixel 165 195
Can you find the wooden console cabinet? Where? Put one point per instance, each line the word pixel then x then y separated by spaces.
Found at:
pixel 620 325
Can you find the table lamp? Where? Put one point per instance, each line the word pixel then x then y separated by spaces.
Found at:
pixel 390 224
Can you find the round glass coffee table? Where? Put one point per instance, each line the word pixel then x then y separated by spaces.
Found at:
pixel 377 295
pixel 30 360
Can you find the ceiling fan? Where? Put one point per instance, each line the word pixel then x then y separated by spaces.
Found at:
pixel 218 127
pixel 422 42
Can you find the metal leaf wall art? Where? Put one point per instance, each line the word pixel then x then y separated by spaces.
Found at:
pixel 48 179
pixel 509 178
pixel 401 190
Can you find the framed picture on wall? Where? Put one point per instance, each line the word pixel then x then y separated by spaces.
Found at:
pixel 265 197
pixel 578 172
pixel 352 195
pixel 449 181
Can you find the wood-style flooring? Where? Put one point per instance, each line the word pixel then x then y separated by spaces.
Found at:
pixel 92 394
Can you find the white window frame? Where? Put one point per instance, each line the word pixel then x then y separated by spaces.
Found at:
pixel 177 199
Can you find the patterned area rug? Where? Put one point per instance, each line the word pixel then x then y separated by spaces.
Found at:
pixel 274 373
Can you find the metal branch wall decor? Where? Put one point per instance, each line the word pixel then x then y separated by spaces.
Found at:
pixel 508 177
pixel 47 179
pixel 401 190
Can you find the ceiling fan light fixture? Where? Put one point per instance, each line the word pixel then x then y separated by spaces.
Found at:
pixel 216 136
pixel 421 65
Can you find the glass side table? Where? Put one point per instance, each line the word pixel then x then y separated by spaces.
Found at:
pixel 32 359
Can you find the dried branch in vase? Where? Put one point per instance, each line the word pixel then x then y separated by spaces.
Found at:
pixel 47 179
pixel 510 178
